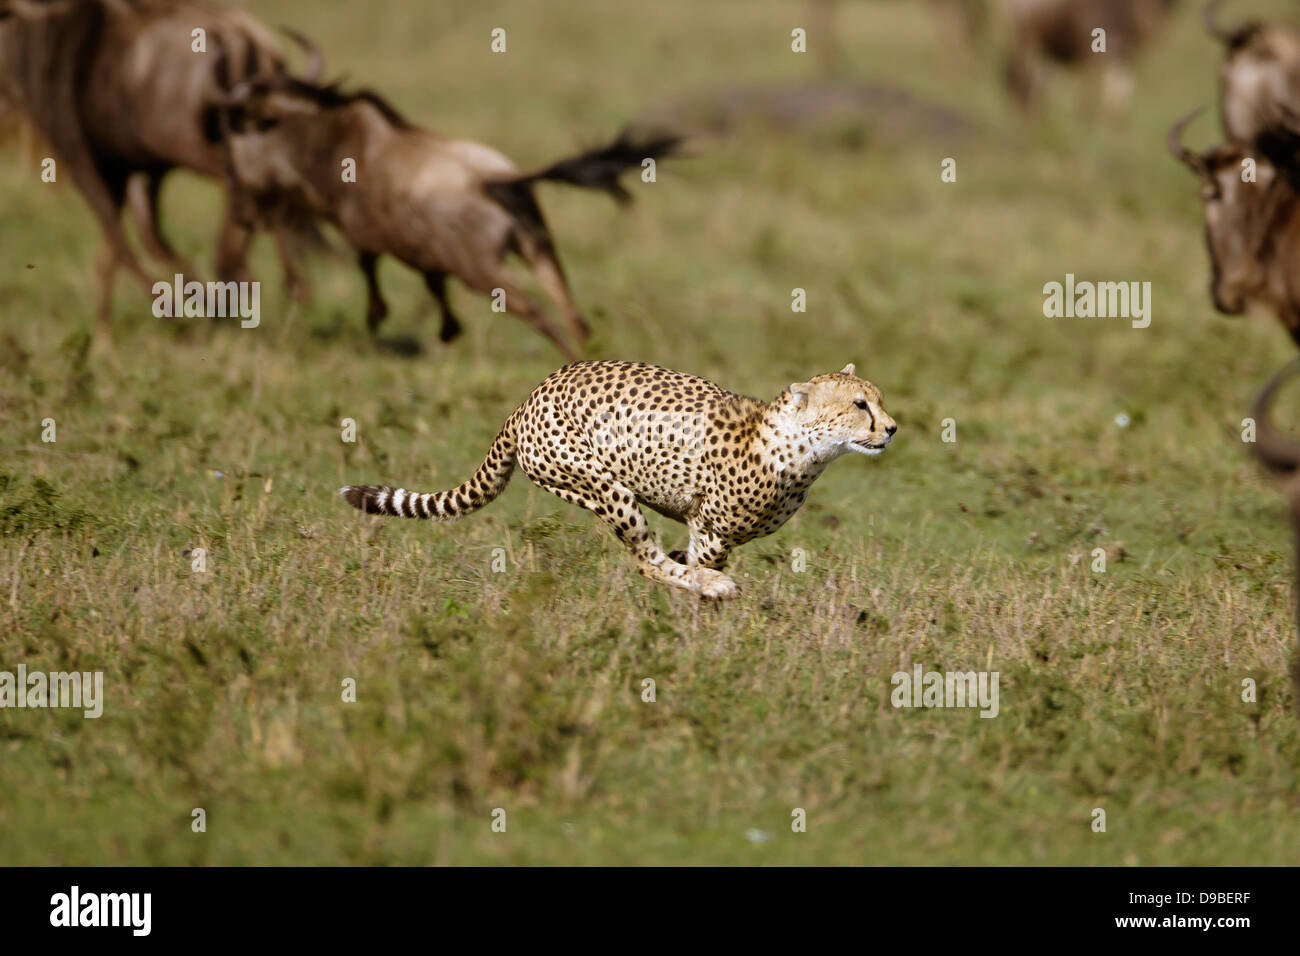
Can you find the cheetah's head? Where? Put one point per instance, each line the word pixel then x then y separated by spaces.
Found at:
pixel 842 413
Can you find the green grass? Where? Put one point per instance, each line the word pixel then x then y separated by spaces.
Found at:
pixel 521 690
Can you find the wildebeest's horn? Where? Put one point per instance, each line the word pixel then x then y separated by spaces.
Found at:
pixel 1209 16
pixel 1175 143
pixel 1231 37
pixel 315 62
pixel 1279 455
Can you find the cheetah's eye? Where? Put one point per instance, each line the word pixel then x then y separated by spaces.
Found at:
pixel 860 403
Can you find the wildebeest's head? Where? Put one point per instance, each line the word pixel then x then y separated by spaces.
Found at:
pixel 1241 216
pixel 1259 84
pixel 280 131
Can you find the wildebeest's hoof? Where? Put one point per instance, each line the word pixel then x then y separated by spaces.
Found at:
pixel 450 330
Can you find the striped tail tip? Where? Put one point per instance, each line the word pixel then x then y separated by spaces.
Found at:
pixel 364 497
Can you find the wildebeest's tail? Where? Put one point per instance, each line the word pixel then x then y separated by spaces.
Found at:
pixel 595 169
pixel 488 482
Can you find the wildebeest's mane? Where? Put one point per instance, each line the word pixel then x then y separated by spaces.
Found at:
pixel 332 96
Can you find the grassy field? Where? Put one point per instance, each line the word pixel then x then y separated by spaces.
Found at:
pixel 521 689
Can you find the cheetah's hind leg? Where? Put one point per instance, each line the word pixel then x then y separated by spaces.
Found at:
pixel 619 510
pixel 707 550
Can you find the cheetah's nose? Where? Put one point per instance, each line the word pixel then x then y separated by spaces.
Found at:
pixel 891 429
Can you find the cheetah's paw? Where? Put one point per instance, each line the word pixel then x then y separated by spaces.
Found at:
pixel 714 584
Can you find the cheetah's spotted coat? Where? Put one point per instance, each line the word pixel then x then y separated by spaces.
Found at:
pixel 611 436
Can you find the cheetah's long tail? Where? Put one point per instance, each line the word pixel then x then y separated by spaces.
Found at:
pixel 488 482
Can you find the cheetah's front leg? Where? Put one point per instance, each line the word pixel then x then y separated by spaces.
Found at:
pixel 618 508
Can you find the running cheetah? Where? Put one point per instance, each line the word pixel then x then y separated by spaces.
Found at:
pixel 611 436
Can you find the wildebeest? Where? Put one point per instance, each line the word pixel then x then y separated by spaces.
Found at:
pixel 1259 87
pixel 1061 31
pixel 1281 457
pixel 118 90
pixel 444 207
pixel 1252 229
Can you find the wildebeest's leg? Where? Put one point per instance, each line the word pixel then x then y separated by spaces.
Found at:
pixel 519 303
pixel 376 307
pixel 232 247
pixel 115 250
pixel 105 267
pixel 105 197
pixel 1117 83
pixel 142 199
pixel 550 276
pixel 437 285
pixel 1023 76
pixel 295 280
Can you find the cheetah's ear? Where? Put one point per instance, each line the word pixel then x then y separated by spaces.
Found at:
pixel 849 369
pixel 799 394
